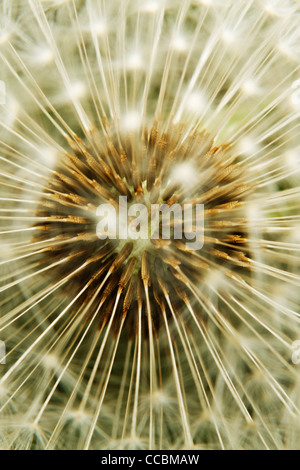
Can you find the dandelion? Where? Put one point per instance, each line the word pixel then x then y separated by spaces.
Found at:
pixel 143 342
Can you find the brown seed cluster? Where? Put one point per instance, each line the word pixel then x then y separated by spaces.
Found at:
pixel 122 281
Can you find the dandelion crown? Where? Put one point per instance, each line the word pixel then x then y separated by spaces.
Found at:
pixel 144 342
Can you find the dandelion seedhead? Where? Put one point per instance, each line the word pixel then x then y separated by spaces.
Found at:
pixel 176 325
pixel 148 168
